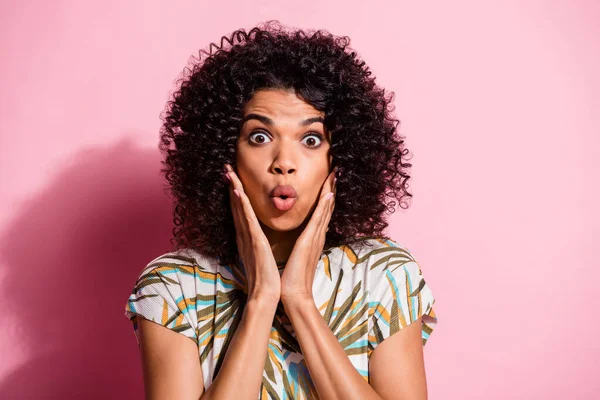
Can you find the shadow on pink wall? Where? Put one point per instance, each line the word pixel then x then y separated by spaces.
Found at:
pixel 73 255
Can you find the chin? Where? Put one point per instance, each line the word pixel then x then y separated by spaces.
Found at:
pixel 282 224
pixel 282 221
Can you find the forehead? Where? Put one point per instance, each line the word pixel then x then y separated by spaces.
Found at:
pixel 280 104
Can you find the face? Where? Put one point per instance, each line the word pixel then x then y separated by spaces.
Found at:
pixel 282 141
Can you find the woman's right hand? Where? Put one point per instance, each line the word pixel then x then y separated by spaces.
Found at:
pixel 262 275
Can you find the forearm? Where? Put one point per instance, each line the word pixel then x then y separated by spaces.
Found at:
pixel 241 373
pixel 330 368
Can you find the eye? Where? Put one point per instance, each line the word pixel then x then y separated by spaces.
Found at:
pixel 311 142
pixel 260 135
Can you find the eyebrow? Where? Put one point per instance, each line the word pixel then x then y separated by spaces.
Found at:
pixel 269 121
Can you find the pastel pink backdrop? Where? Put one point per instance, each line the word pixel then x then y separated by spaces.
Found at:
pixel 500 105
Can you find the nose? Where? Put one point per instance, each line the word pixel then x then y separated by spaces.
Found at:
pixel 284 163
pixel 282 166
pixel 283 170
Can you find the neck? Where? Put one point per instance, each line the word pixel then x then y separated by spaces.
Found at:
pixel 282 242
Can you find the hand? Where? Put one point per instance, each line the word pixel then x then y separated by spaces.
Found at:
pixel 254 249
pixel 299 272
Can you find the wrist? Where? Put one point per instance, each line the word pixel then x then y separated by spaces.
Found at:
pixel 297 300
pixel 262 302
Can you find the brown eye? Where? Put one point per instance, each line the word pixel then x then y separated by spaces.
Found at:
pixel 313 140
pixel 261 137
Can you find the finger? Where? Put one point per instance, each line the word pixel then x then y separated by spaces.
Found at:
pixel 319 214
pixel 330 203
pixel 324 227
pixel 328 184
pixel 235 180
pixel 240 227
pixel 241 220
pixel 327 187
pixel 236 184
pixel 256 236
pixel 248 215
pixel 237 209
pixel 328 215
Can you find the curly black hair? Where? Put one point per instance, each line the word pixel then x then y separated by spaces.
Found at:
pixel 201 123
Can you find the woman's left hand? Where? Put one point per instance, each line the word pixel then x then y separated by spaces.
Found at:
pixel 299 272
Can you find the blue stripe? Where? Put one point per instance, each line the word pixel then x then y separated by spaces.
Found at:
pixel 358 344
pixel 174 271
pixel 275 349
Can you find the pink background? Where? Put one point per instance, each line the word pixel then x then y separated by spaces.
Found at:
pixel 500 106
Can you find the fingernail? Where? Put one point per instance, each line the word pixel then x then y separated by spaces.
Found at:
pixel 334 180
pixel 237 193
pixel 328 195
pixel 228 177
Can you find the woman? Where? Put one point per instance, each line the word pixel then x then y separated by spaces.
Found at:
pixel 281 155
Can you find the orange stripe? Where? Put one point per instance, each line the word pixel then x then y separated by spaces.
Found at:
pixel 165 313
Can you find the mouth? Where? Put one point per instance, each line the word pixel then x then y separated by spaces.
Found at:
pixel 283 203
pixel 283 197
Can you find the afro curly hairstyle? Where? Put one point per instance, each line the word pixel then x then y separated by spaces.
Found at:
pixel 201 124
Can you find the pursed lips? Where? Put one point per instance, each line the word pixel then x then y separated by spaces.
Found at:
pixel 283 191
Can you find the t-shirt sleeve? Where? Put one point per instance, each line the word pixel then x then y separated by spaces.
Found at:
pixel 399 296
pixel 162 294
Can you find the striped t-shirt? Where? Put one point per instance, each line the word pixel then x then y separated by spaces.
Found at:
pixel 365 291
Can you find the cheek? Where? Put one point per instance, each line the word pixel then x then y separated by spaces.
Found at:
pixel 251 184
pixel 313 187
pixel 244 167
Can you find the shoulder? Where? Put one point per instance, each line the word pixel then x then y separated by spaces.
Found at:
pixel 184 262
pixel 387 266
pixel 168 288
pixel 388 259
pixel 375 260
pixel 374 251
pixel 398 291
pixel 177 274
